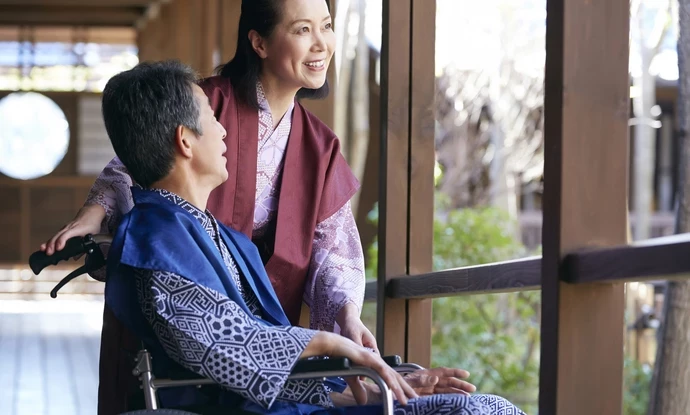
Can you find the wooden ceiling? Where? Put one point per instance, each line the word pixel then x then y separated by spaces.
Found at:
pixel 102 13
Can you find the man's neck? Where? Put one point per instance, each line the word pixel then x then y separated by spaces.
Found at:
pixel 193 193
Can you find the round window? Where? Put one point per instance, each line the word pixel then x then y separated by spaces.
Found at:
pixel 34 135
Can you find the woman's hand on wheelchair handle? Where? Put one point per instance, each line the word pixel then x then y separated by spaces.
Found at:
pixel 351 326
pixel 87 221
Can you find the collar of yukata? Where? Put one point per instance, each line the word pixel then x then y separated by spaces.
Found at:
pixel 261 95
pixel 183 203
pixel 263 102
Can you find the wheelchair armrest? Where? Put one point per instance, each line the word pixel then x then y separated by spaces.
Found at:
pixel 393 360
pixel 304 369
pixel 339 363
pixel 321 365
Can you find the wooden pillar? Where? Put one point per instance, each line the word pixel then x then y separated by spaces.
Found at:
pixel 152 35
pixel 187 30
pixel 148 33
pixel 393 209
pixel 407 150
pixel 183 31
pixel 209 46
pixel 229 14
pixel 585 193
pixel 25 221
pixel 324 109
pixel 422 160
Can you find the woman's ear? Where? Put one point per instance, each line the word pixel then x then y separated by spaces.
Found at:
pixel 258 43
pixel 183 142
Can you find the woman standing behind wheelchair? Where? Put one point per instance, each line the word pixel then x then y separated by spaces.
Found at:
pixel 289 186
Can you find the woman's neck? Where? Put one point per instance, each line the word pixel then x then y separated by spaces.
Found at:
pixel 279 97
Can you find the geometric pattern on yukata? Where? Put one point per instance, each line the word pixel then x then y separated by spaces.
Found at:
pixel 443 405
pixel 210 225
pixel 211 335
pixel 498 405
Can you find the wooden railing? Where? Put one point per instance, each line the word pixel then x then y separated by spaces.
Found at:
pixel 665 258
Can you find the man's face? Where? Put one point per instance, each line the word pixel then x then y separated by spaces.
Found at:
pixel 210 149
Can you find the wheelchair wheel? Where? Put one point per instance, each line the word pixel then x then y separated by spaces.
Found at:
pixel 159 412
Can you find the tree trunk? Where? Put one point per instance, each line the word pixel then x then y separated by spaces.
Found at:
pixel 343 86
pixel 645 145
pixel 360 102
pixel 671 385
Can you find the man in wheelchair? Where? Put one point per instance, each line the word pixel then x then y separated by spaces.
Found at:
pixel 195 291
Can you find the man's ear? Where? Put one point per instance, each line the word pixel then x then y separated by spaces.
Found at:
pixel 183 141
pixel 258 43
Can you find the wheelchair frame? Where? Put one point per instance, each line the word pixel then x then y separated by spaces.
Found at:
pixel 334 368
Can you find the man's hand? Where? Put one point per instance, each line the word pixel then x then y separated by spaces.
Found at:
pixel 329 344
pixel 426 382
pixel 87 221
pixel 440 380
pixel 351 326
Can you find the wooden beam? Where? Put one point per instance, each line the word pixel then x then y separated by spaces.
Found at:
pixel 421 172
pixel 122 35
pixel 324 108
pixel 183 31
pixel 145 44
pixel 393 199
pixel 585 202
pixel 49 181
pixel 509 276
pixel 164 32
pixel 501 277
pixel 71 16
pixel 75 3
pixel 229 15
pixel 25 222
pixel 209 47
pixel 654 259
pixel 658 258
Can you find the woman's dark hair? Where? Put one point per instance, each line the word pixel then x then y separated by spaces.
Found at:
pixel 244 69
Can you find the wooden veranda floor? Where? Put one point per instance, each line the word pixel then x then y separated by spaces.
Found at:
pixel 49 356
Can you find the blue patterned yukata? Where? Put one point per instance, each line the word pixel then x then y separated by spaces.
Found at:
pixel 196 294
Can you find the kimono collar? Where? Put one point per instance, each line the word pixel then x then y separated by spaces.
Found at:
pixel 206 219
pixel 266 109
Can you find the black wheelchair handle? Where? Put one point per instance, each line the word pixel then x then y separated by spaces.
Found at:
pixel 336 363
pixel 74 246
pixel 393 360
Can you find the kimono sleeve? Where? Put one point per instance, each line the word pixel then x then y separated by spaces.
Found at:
pixel 336 272
pixel 112 192
pixel 211 335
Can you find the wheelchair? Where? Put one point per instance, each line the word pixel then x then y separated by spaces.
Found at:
pixel 90 245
